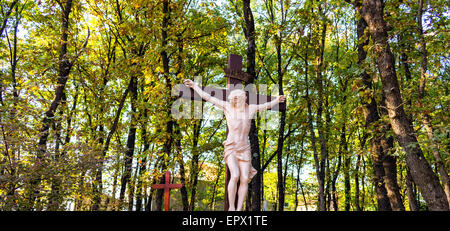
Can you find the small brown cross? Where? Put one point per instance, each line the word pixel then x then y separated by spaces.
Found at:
pixel 167 186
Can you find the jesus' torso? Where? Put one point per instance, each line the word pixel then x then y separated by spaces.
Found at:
pixel 238 123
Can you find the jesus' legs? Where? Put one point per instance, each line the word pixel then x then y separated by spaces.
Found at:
pixel 244 167
pixel 233 166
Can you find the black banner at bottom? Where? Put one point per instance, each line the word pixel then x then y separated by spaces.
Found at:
pixel 233 221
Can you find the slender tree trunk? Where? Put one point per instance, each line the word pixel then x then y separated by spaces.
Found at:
pixel 180 159
pixel 148 205
pixel 57 198
pixel 329 181
pixel 413 205
pixel 132 188
pixel 372 11
pixel 347 187
pixel 65 66
pixel 371 117
pixel 131 140
pixel 333 185
pixel 313 140
pixel 6 16
pixel 249 31
pixel 280 142
pixel 358 163
pixel 336 171
pixel 320 165
pixel 167 147
pixel 378 169
pixel 303 195
pixel 390 165
pixel 393 190
pixel 214 191
pixel 143 163
pixel 9 138
pixel 363 196
pixel 296 190
pixel 194 166
pixel 427 120
pixel 183 191
pixel 299 163
pixel 98 185
pixel 142 166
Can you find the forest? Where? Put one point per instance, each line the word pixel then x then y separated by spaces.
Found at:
pixel 86 98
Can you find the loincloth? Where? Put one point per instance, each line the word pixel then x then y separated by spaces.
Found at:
pixel 242 152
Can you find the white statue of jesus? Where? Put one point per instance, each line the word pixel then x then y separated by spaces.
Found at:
pixel 237 152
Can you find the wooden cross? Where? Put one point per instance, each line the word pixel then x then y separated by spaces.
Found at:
pixel 235 77
pixel 166 186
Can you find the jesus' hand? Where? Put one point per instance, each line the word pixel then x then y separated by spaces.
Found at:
pixel 189 83
pixel 281 98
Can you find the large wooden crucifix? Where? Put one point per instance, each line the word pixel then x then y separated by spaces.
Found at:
pixel 166 186
pixel 235 77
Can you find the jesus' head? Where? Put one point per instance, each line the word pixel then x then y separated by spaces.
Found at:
pixel 237 98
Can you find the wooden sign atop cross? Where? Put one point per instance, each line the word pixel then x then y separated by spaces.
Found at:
pixel 235 77
pixel 166 186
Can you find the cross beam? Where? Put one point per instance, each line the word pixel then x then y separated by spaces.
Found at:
pixel 235 77
pixel 222 94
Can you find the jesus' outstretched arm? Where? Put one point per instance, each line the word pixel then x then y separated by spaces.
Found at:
pixel 269 105
pixel 207 97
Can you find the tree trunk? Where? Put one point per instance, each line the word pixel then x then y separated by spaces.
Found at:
pixel 98 185
pixel 390 165
pixel 6 16
pixel 57 198
pixel 313 139
pixel 148 205
pixel 131 140
pixel 214 191
pixel 320 164
pixel 280 142
pixel 372 11
pixel 183 191
pixel 393 191
pixel 358 163
pixel 9 139
pixel 143 162
pixel 65 66
pixel 194 166
pixel 170 123
pixel 371 116
pixel 334 195
pixel 132 187
pixel 413 205
pixel 347 187
pixel 249 31
pixel 426 116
